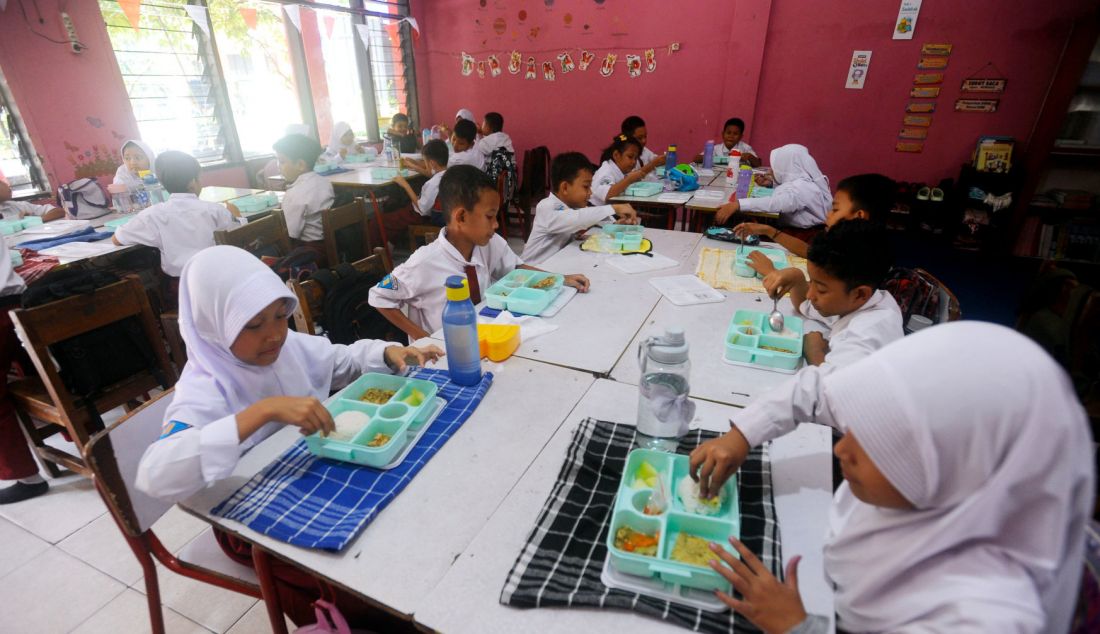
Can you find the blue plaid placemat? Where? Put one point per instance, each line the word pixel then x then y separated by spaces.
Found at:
pixel 315 502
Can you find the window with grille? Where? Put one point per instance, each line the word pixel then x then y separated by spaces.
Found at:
pixel 18 161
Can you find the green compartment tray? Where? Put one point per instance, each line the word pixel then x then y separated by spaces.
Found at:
pixel 644 189
pixel 749 330
pixel 741 266
pixel 255 203
pixel 516 292
pixel 621 237
pixel 675 520
pixel 397 418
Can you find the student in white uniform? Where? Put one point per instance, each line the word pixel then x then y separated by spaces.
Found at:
pixel 181 226
pixel 16 209
pixel 968 473
pixel 559 216
pixel 732 133
pixel 136 156
pixel 634 127
pixel 801 197
pixel 468 245
pixel 246 374
pixel 308 193
pixel 434 155
pixel 341 143
pixel 617 170
pixel 493 136
pixel 271 168
pixel 462 141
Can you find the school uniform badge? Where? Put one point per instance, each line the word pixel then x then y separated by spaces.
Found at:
pixel 173 427
pixel 389 282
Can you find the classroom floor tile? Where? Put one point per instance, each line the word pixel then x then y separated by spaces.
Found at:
pixel 210 606
pixel 100 544
pixel 128 612
pixel 54 592
pixel 71 504
pixel 17 547
pixel 255 622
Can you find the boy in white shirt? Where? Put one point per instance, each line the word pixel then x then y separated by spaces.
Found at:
pixel 468 245
pixel 462 140
pixel 845 320
pixel 732 134
pixel 434 156
pixel 565 212
pixel 308 193
pixel 493 136
pixel 181 226
pixel 16 209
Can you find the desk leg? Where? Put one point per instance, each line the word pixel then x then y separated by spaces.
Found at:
pixel 262 561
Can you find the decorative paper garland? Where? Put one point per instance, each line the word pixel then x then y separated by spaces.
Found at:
pixel 567 61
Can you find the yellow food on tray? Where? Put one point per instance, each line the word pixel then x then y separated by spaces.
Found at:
pixel 776 349
pixel 544 283
pixel 379 440
pixel 693 550
pixel 636 542
pixel 377 395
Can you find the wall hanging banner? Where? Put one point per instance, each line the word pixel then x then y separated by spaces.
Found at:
pixel 650 60
pixel 548 71
pixel 530 73
pixel 909 146
pixel 932 63
pixel 467 63
pixel 857 70
pixel 907 19
pixel 251 19
pixel 929 106
pixel 976 105
pixel 586 59
pixel 928 78
pixel 608 65
pixel 919 120
pixel 132 10
pixel 913 133
pixel 294 14
pixel 566 61
pixel 481 70
pixel 633 65
pixel 515 62
pixel 199 17
pixel 925 92
pixel 984 85
pixel 936 49
pixel 494 66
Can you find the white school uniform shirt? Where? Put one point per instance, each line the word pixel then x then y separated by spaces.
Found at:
pixel 554 226
pixel 721 151
pixel 496 140
pixel 852 337
pixel 467 157
pixel 428 194
pixel 802 197
pixel 123 175
pixel 16 209
pixel 418 283
pixel 222 289
pixel 10 282
pixel 178 228
pixel 607 175
pixel 644 158
pixel 302 205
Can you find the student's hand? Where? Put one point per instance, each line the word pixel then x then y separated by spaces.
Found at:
pixel 399 179
pixel 780 281
pixel 761 263
pixel 751 159
pixel 308 414
pixel 746 229
pixel 713 462
pixel 764 180
pixel 772 605
pixel 581 235
pixel 627 215
pixel 725 211
pixel 578 282
pixel 399 358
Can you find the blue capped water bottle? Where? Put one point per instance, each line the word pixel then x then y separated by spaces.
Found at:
pixel 708 155
pixel 460 333
pixel 670 159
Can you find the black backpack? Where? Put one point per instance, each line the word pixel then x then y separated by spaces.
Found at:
pixel 347 316
pixel 299 264
pixel 501 161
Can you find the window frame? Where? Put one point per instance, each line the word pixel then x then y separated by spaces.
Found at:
pixel 17 131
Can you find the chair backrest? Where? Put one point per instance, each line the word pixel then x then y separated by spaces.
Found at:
pixel 311 293
pixel 113 455
pixel 918 292
pixel 266 236
pixel 536 177
pixel 376 217
pixel 346 232
pixel 59 321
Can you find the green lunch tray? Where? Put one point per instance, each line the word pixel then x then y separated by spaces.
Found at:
pixel 741 266
pixel 749 330
pixel 516 292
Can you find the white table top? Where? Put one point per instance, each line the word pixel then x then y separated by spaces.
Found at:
pixel 404 553
pixel 468 597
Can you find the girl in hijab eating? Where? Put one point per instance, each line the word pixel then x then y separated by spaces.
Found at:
pixel 968 483
pixel 801 198
pixel 246 374
pixel 340 144
pixel 136 157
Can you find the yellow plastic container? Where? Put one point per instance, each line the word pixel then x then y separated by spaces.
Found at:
pixel 498 341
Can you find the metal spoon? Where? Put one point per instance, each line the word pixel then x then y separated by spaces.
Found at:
pixel 775 319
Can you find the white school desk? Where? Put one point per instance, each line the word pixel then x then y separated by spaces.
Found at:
pixel 214 194
pixel 408 548
pixel 468 597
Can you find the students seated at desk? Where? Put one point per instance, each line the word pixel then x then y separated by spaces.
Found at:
pixel 137 157
pixel 468 245
pixel 181 226
pixel 16 209
pixel 462 142
pixel 271 168
pixel 732 139
pixel 618 170
pixel 435 161
pixel 405 140
pixel 634 127
pixel 308 193
pixel 801 197
pixel 493 137
pixel 968 483
pixel 341 143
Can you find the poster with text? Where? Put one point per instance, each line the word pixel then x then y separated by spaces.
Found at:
pixel 857 71
pixel 907 19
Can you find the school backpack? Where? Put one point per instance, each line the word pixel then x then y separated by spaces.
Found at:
pixel 83 199
pixel 347 316
pixel 501 161
pixel 300 264
pixel 918 293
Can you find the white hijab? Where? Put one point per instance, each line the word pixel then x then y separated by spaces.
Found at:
pixel 335 144
pixel 982 432
pixel 123 175
pixel 463 113
pixel 222 288
pixel 793 167
pixel 297 128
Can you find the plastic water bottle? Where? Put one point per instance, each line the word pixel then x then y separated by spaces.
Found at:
pixel 425 135
pixel 460 333
pixel 708 154
pixel 387 152
pixel 670 159
pixel 664 409
pixel 153 188
pixel 120 198
pixel 139 198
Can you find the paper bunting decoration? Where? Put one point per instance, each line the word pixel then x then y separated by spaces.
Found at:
pixel 294 14
pixel 132 10
pixel 515 60
pixel 467 64
pixel 633 65
pixel 650 60
pixel 586 59
pixel 199 17
pixel 530 74
pixel 330 23
pixel 414 26
pixel 481 70
pixel 250 17
pixel 566 61
pixel 364 36
pixel 608 65
pixel 548 71
pixel 494 66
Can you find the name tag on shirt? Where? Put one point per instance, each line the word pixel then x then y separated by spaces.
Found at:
pixel 173 427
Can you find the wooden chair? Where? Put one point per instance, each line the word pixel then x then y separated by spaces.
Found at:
pixel 311 295
pixel 112 457
pixel 533 187
pixel 46 398
pixel 381 224
pixel 170 325
pixel 266 236
pixel 346 232
pixel 949 308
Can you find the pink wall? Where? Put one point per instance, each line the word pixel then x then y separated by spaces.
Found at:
pixel 776 64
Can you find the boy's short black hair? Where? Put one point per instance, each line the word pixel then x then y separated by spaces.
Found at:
pixel 737 122
pixel 400 117
pixel 298 147
pixel 873 193
pixel 495 121
pixel 632 123
pixel 175 171
pixel 856 253
pixel 567 166
pixel 466 130
pixel 461 186
pixel 435 150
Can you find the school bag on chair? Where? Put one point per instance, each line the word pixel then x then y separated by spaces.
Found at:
pixel 347 316
pixel 83 199
pixel 501 161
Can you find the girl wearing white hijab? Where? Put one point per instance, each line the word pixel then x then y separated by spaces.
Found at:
pixel 341 143
pixel 246 375
pixel 802 197
pixel 136 156
pixel 968 483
